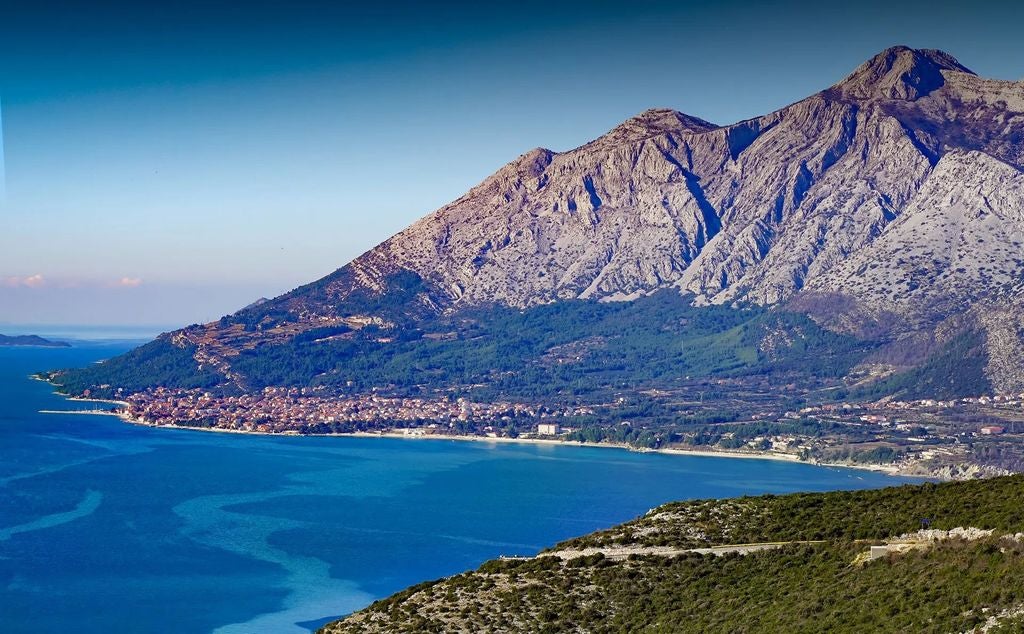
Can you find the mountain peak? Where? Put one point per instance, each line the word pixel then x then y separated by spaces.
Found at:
pixel 667 119
pixel 900 72
pixel 656 121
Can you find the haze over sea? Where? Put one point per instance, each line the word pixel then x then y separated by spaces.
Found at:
pixel 109 527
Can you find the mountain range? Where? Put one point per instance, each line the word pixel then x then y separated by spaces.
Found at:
pixel 889 208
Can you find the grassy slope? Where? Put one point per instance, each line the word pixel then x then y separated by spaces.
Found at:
pixel 952 587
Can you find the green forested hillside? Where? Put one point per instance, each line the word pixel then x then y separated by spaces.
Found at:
pixel 956 369
pixel 839 515
pixel 157 363
pixel 573 345
pixel 565 348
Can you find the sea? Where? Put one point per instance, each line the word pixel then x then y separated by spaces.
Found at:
pixel 110 527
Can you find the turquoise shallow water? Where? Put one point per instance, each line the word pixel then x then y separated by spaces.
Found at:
pixel 108 527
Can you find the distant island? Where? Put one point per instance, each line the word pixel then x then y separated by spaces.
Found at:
pixel 31 340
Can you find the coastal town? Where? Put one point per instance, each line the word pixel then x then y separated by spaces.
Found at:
pixel 958 438
pixel 306 411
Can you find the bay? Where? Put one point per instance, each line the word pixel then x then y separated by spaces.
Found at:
pixel 110 527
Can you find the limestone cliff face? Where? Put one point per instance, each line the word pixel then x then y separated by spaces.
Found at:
pixel 897 192
pixel 959 240
pixel 757 211
pixel 1004 339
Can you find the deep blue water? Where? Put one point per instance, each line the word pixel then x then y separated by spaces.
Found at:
pixel 109 527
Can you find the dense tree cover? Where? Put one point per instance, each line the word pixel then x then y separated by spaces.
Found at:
pixel 956 370
pixel 407 297
pixel 840 515
pixel 843 453
pixel 808 588
pixel 952 586
pixel 569 350
pixel 566 348
pixel 666 427
pixel 710 427
pixel 157 363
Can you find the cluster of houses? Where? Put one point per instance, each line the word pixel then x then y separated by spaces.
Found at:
pixel 893 413
pixel 280 409
pixel 277 410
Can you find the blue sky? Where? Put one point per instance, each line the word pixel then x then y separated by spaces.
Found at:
pixel 168 164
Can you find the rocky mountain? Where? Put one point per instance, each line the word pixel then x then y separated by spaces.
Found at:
pixel 757 211
pixel 882 206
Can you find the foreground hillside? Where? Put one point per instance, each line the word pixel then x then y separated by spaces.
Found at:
pixel 692 567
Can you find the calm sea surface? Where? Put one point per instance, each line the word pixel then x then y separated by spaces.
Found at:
pixel 109 527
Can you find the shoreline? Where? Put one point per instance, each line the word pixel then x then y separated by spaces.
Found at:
pixel 77 399
pixel 551 442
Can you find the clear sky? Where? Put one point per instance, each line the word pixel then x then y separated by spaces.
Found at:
pixel 167 163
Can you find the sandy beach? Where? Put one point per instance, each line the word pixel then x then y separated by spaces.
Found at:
pixel 407 435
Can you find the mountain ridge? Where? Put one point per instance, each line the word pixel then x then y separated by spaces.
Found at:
pixel 661 154
pixel 838 205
